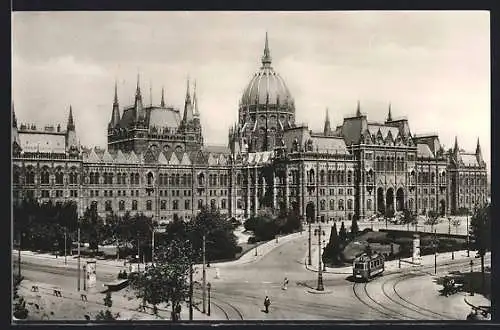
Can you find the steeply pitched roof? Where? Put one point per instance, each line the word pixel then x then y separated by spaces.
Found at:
pixel 42 142
pixel 424 151
pixel 469 159
pixel 329 144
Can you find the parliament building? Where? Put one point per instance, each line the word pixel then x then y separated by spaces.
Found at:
pixel 156 162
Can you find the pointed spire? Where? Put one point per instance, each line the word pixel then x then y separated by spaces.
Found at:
pixel 455 147
pixel 479 154
pixel 138 88
pixel 358 109
pixel 327 129
pixel 195 101
pixel 71 124
pixel 266 59
pixel 389 115
pixel 162 97
pixel 478 147
pixel 188 106
pixel 115 101
pixel 14 120
pixel 115 115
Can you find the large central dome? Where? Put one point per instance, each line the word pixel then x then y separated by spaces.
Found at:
pixel 266 86
pixel 266 109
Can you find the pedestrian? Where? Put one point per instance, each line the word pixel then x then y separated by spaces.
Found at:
pixel 267 302
pixel 285 284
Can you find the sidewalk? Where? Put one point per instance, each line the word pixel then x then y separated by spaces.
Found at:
pixel 124 302
pixel 393 265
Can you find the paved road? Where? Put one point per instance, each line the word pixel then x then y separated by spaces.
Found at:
pixel 239 291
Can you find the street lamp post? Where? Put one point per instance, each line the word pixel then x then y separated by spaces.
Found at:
pixel 153 246
pixel 84 278
pixel 204 287
pixel 324 265
pixel 309 262
pixel 256 250
pixel 191 290
pixel 320 268
pixel 19 257
pixel 78 265
pixel 65 249
pixel 209 287
pixel 449 225
pixel 470 282
pixel 468 248
pixel 435 252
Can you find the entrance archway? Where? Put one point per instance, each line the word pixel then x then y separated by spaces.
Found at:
pixel 442 207
pixel 389 200
pixel 310 212
pixel 400 199
pixel 380 200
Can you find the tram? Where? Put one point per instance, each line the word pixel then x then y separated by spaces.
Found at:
pixel 365 267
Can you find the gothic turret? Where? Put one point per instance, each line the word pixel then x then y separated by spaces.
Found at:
pixel 358 109
pixel 72 145
pixel 327 130
pixel 16 144
pixel 479 154
pixel 115 115
pixel 188 107
pixel 389 114
pixel 162 104
pixel 139 115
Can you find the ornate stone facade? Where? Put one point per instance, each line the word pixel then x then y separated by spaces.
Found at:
pixel 156 162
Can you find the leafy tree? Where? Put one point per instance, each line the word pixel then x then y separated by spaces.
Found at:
pixel 432 220
pixel 91 226
pixel 480 231
pixel 354 227
pixel 408 218
pixel 20 310
pixel 343 232
pixel 107 315
pixel 220 241
pixel 166 281
pixel 332 250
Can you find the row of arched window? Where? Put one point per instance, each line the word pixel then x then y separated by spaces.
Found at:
pixel 44 176
pixel 172 179
pixel 340 205
pixel 390 164
pixel 479 180
pixel 331 177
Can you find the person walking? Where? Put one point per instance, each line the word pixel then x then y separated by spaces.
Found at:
pixel 267 302
pixel 285 284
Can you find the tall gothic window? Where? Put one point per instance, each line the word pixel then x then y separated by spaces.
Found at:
pixel 45 176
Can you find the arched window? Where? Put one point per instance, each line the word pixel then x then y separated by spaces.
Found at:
pixel 175 204
pixel 30 175
pixel 149 205
pixel 369 204
pixel 163 204
pixel 59 177
pixel 132 178
pixel 96 178
pixel 349 177
pixel 332 205
pixel 340 179
pixel 341 205
pixel 73 177
pixel 239 204
pixel 110 178
pixel 433 177
pixel 136 178
pixel 200 204
pixel 150 178
pixel 134 205
pixel 322 177
pixel 177 179
pixel 349 204
pixel 322 205
pixel 45 176
pixel 295 145
pixel 184 179
pixel 121 205
pixel 311 176
pixel 213 204
pixel 107 206
pixel 238 179
pixel 16 175
pixel 223 204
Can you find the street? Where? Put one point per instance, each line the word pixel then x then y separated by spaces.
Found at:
pixel 239 292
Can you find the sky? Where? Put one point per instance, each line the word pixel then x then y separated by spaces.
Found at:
pixel 433 67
